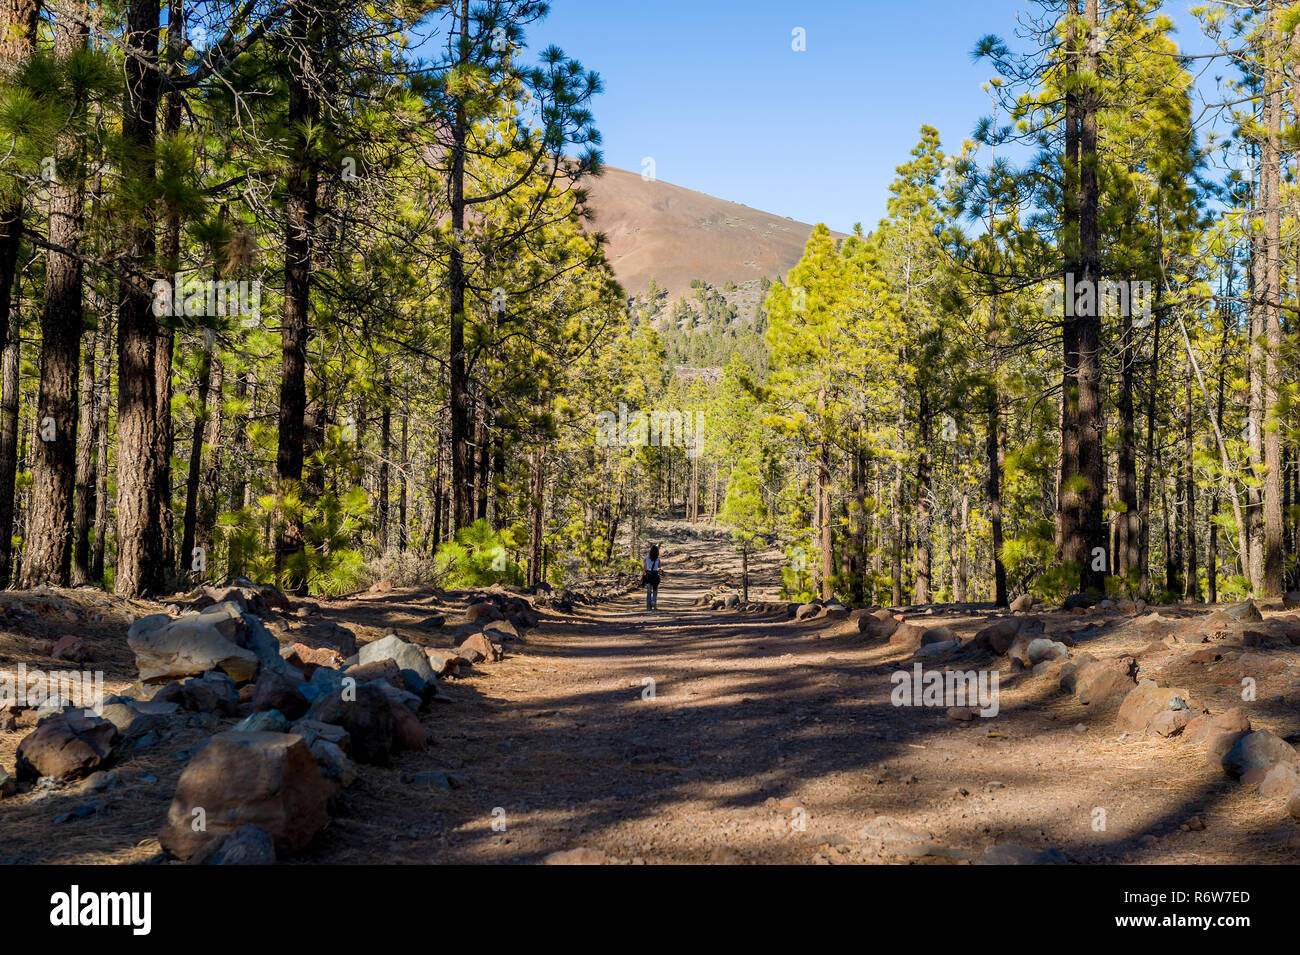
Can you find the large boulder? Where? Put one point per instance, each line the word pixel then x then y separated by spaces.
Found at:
pixel 878 625
pixel 248 596
pixel 386 670
pixel 247 845
pixel 71 648
pixel 502 631
pixel 1207 727
pixel 226 617
pixel 908 636
pixel 188 646
pixel 936 651
pixel 521 612
pixel 275 691
pixel 214 692
pixel 480 645
pixel 407 731
pixel 253 635
pixel 314 730
pixel 1218 745
pixel 1163 710
pixel 365 712
pixel 806 611
pixel 1040 648
pixel 263 721
pixel 309 659
pixel 999 635
pixel 66 746
pixel 445 662
pixel 1098 683
pixel 334 764
pixel 1244 612
pixel 1260 749
pixel 1279 781
pixel 483 612
pixel 141 723
pixel 410 659
pixel 239 779
pixel 934 635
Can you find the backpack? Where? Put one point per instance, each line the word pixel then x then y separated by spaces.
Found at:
pixel 651 577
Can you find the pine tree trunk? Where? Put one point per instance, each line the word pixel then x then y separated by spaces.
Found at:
pixel 139 528
pixel 482 458
pixel 855 541
pixel 462 475
pixel 993 488
pixel 923 517
pixel 190 520
pixel 744 573
pixel 401 489
pixel 963 563
pixel 438 509
pixel 1273 557
pixel 537 494
pixel 1192 581
pixel 1068 514
pixel 295 332
pixel 824 509
pixel 47 552
pixel 9 414
pixel 103 401
pixel 1257 275
pixel 385 455
pixel 18 28
pixel 210 479
pixel 1145 507
pixel 1091 423
pixel 897 546
pixel 496 511
pixel 1173 559
pixel 1128 553
pixel 87 441
pixel 170 253
pixel 246 395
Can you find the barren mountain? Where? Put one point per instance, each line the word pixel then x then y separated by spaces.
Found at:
pixel 661 231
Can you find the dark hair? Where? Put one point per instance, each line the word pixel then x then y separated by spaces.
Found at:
pixel 654 551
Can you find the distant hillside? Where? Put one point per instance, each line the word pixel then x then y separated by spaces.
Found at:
pixel 673 235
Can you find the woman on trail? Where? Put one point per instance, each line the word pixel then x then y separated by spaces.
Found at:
pixel 651 578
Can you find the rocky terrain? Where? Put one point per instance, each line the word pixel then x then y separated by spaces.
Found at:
pixel 417 726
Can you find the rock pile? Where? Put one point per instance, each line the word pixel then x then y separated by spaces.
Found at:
pixel 303 716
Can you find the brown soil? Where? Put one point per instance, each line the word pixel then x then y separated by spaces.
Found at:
pixel 765 740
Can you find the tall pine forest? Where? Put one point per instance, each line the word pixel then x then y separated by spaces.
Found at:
pixel 311 292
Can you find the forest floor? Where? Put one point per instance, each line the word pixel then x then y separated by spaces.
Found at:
pixel 689 735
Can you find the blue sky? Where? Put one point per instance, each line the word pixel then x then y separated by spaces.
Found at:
pixel 713 91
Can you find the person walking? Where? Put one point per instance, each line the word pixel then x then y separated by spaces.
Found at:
pixel 651 578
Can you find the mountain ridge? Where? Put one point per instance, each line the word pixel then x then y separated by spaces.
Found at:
pixel 672 234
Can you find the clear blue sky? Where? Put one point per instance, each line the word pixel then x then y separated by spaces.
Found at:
pixel 713 91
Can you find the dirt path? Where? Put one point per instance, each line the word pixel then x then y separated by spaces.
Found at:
pixel 693 735
pixel 760 739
